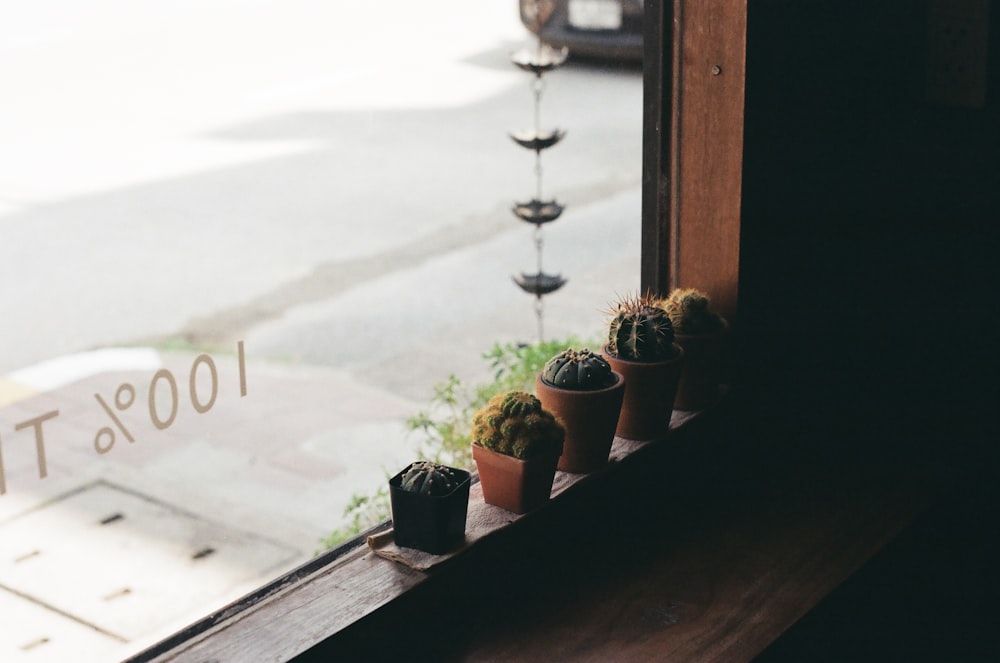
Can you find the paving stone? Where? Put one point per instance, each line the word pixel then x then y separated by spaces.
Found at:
pixel 126 564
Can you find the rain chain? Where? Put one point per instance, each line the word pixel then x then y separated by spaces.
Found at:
pixel 538 60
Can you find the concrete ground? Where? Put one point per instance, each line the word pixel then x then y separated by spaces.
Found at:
pixel 123 542
pixel 328 187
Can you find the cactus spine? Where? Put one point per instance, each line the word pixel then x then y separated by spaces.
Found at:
pixel 514 423
pixel 430 479
pixel 578 369
pixel 689 313
pixel 640 331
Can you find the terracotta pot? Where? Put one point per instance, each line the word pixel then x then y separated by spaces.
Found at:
pixel 704 368
pixel 650 388
pixel 514 484
pixel 590 418
pixel 432 524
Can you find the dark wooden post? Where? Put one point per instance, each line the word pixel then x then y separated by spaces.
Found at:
pixel 657 144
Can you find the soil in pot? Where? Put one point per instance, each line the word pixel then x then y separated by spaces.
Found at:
pixel 590 418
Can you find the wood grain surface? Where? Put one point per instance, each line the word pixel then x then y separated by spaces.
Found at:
pixel 702 549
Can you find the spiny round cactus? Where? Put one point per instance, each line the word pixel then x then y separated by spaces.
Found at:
pixel 689 313
pixel 518 404
pixel 429 478
pixel 578 369
pixel 640 331
pixel 514 423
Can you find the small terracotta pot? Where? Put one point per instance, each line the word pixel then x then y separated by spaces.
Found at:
pixel 514 484
pixel 650 388
pixel 703 370
pixel 590 418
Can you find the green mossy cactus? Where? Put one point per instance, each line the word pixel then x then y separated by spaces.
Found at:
pixel 640 331
pixel 689 312
pixel 431 479
pixel 514 423
pixel 580 370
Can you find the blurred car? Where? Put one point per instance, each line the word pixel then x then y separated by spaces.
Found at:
pixel 606 29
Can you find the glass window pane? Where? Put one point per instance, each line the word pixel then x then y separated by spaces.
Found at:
pixel 241 244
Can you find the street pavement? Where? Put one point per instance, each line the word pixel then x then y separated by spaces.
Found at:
pixel 314 184
pixel 233 476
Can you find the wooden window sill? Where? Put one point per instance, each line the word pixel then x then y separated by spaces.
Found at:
pixel 664 553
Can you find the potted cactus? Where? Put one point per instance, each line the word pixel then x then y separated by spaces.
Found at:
pixel 702 334
pixel 641 347
pixel 585 395
pixel 429 505
pixel 516 445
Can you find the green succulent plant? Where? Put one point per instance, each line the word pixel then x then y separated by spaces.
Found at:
pixel 640 330
pixel 514 423
pixel 688 310
pixel 578 369
pixel 431 479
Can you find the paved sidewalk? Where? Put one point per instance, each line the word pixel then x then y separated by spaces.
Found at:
pixel 123 542
pixel 216 502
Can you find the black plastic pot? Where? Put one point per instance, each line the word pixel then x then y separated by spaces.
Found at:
pixel 432 524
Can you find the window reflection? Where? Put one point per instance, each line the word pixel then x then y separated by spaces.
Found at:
pixel 241 245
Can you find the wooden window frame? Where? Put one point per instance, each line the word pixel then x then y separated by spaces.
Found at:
pixel 694 89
